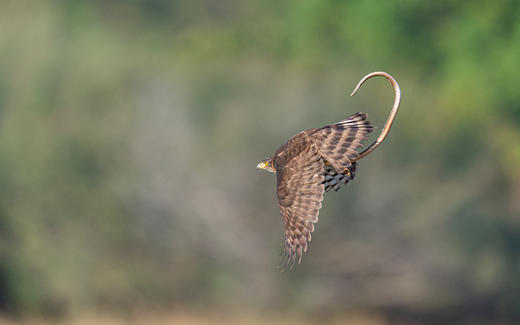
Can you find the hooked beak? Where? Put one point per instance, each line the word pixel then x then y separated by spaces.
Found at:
pixel 261 165
pixel 265 165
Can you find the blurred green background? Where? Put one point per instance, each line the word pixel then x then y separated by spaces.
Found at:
pixel 130 131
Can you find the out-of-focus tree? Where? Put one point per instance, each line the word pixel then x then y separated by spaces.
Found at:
pixel 129 132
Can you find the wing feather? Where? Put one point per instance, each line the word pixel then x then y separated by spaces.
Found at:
pixel 300 193
pixel 337 143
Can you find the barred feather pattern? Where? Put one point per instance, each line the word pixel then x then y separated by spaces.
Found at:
pixel 310 163
pixel 300 193
pixel 337 143
pixel 334 180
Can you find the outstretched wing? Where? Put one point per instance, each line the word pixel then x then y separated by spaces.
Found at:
pixel 300 192
pixel 337 143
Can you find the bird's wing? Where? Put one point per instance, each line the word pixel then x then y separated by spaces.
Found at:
pixel 337 143
pixel 300 192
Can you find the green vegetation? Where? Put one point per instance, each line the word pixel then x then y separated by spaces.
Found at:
pixel 130 132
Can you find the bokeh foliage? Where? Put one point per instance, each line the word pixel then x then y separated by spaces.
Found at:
pixel 129 132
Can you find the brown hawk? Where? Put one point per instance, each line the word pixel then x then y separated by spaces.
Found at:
pixel 313 162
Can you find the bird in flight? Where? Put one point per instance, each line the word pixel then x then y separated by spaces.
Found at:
pixel 315 161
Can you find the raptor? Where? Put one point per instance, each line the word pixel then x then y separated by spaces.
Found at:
pixel 315 161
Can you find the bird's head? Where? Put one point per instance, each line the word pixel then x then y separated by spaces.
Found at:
pixel 266 164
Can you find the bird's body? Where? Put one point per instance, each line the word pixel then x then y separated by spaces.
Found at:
pixel 310 163
pixel 315 161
